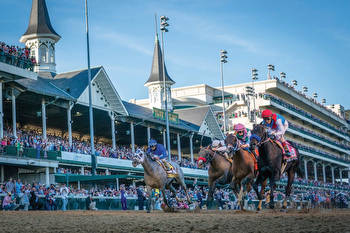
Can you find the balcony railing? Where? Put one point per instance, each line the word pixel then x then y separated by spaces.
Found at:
pixel 20 62
pixel 305 114
pixel 292 126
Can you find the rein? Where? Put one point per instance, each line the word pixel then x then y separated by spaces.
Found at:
pixel 256 137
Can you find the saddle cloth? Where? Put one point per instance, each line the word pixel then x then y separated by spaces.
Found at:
pixel 169 169
pixel 293 152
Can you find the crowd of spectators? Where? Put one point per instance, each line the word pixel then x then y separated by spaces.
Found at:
pixel 16 56
pixel 18 195
pixel 33 139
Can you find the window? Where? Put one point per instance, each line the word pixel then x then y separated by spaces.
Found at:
pixel 43 53
pixel 52 54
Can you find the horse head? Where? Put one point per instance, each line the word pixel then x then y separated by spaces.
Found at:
pixel 138 158
pixel 205 155
pixel 232 142
pixel 258 134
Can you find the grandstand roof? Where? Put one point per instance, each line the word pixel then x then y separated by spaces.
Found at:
pixel 74 82
pixel 39 22
pixel 44 86
pixel 147 114
pixel 157 64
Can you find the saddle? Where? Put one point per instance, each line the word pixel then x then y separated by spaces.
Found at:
pixel 293 153
pixel 168 168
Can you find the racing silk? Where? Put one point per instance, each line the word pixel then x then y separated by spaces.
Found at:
pixel 160 151
pixel 278 125
pixel 246 139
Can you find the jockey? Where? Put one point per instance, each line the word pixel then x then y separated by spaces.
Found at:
pixel 219 146
pixel 158 152
pixel 277 126
pixel 243 135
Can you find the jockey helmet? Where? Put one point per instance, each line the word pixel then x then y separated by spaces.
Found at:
pixel 152 142
pixel 239 127
pixel 266 113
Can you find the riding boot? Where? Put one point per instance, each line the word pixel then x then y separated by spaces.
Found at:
pixel 286 149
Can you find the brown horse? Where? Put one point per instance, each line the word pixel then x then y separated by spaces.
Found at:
pixel 242 167
pixel 220 170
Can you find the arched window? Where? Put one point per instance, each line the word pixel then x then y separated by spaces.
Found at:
pixel 43 53
pixel 52 54
pixel 32 51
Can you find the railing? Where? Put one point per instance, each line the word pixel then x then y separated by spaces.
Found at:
pixel 309 116
pixel 23 63
pixel 31 153
pixel 317 136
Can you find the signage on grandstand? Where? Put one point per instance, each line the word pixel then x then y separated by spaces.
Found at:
pixel 160 115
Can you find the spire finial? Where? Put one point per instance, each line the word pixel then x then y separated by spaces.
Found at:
pixel 156 25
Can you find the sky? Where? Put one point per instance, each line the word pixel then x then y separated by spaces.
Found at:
pixel 308 40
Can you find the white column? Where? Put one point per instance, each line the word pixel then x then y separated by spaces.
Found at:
pixel 132 137
pixel 78 184
pixel 47 176
pixel 69 123
pixel 117 180
pixel 332 168
pixel 164 139
pixel 305 168
pixel 43 116
pixel 148 134
pixel 113 130
pixel 315 170
pixel 82 170
pixel 178 146
pixel 349 177
pixel 54 170
pixel 324 173
pixel 107 172
pixel 341 176
pixel 191 147
pixel 14 113
pixel 2 173
pixel 1 114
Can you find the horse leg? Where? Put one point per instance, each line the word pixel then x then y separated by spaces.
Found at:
pixel 240 196
pixel 211 184
pixel 164 197
pixel 173 191
pixel 291 174
pixel 183 185
pixel 272 187
pixel 149 201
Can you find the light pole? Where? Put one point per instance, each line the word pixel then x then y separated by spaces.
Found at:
pixel 163 27
pixel 254 78
pixel 223 57
pixel 323 101
pixel 282 76
pixel 91 120
pixel 270 68
pixel 295 83
pixel 305 89
pixel 315 95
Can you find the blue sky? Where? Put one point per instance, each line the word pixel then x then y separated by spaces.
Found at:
pixel 308 40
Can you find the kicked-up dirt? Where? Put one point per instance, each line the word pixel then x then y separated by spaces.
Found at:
pixel 205 221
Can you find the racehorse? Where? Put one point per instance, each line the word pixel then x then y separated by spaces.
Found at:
pixel 156 177
pixel 220 169
pixel 242 167
pixel 270 164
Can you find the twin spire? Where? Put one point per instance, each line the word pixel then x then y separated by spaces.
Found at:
pixel 157 66
pixel 39 23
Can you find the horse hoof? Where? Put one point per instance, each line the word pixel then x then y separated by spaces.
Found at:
pixel 148 211
pixel 272 207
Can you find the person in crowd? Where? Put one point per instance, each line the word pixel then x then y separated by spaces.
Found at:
pixel 64 193
pixel 9 203
pixel 277 126
pixel 123 197
pixel 140 197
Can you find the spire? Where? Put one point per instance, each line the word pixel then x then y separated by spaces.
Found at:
pixel 157 69
pixel 39 23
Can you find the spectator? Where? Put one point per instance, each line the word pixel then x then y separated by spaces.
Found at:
pixel 123 198
pixel 9 203
pixel 64 193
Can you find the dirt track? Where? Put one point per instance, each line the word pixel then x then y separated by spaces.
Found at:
pixel 205 221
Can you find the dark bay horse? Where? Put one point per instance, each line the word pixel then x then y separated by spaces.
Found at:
pixel 156 177
pixel 220 170
pixel 242 167
pixel 270 164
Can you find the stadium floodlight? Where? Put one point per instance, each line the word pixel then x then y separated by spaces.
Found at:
pixel 295 83
pixel 282 75
pixel 270 68
pixel 223 59
pixel 305 89
pixel 323 101
pixel 254 78
pixel 315 95
pixel 163 27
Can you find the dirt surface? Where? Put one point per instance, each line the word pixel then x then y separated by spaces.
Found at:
pixel 205 221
